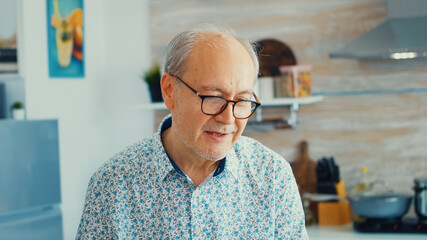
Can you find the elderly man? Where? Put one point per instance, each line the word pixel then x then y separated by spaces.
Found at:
pixel 197 178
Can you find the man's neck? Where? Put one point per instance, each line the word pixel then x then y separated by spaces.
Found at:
pixel 196 168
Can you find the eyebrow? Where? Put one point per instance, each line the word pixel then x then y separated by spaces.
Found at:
pixel 217 89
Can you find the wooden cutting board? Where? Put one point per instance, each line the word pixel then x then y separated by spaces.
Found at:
pixel 304 169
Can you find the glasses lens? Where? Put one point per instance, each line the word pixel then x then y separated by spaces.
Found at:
pixel 213 105
pixel 244 109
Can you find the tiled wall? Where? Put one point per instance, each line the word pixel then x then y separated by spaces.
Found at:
pixel 374 112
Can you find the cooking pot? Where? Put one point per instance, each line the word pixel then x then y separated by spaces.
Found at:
pixel 420 189
pixel 381 206
pixel 385 206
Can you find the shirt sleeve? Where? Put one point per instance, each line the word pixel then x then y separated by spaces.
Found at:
pixel 290 219
pixel 94 223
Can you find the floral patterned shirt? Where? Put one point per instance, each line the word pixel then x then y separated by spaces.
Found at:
pixel 141 194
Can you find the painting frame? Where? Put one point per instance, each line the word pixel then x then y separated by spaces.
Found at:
pixel 65 38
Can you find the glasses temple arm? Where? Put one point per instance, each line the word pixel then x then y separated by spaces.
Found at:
pixel 185 84
pixel 256 98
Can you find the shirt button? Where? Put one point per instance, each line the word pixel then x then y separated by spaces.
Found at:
pixel 198 230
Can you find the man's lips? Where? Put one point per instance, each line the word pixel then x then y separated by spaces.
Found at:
pixel 217 134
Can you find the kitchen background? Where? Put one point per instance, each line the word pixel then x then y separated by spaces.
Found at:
pixel 374 113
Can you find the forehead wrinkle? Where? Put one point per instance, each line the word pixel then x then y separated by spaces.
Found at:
pixel 212 88
pixel 221 90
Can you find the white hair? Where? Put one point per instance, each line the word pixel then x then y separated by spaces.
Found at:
pixel 179 49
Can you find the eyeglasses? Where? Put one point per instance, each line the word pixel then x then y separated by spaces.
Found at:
pixel 214 105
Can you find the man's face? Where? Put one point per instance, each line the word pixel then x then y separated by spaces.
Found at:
pixel 218 66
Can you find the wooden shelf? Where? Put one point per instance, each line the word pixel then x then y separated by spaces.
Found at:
pixel 292 103
pixel 278 102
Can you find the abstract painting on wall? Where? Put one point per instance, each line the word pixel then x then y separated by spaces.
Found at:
pixel 65 38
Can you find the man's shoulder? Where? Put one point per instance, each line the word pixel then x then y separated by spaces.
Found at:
pixel 135 157
pixel 249 146
pixel 259 158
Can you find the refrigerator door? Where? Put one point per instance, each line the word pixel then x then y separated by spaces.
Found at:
pixel 29 165
pixel 38 224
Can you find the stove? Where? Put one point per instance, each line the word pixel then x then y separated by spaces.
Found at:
pixel 396 225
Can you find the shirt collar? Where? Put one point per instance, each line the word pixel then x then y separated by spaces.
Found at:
pixel 233 164
pixel 166 164
pixel 163 165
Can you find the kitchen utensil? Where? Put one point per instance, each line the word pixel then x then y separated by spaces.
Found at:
pixel 330 169
pixel 326 187
pixel 381 206
pixel 336 170
pixel 327 175
pixel 322 171
pixel 305 170
pixel 420 197
pixel 375 207
pixel 327 170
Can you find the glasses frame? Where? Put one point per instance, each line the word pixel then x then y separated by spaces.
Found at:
pixel 203 97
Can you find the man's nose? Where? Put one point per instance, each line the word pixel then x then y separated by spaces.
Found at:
pixel 226 116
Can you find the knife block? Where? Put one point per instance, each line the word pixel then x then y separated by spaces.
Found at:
pixel 335 213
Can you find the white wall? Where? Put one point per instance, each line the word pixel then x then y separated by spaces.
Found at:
pixel 95 114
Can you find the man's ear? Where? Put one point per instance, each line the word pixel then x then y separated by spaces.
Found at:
pixel 167 83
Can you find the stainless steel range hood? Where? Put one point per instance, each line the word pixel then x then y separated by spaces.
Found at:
pixel 402 35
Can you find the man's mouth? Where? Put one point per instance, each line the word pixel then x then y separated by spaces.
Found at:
pixel 217 134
